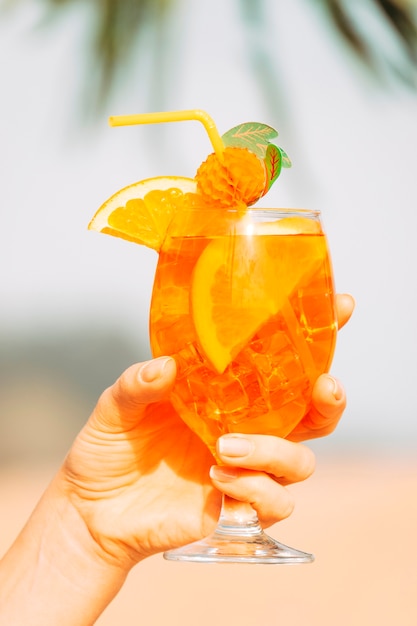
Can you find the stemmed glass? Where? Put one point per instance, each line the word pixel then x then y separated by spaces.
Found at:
pixel 244 301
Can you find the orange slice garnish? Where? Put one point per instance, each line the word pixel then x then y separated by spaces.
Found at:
pixel 143 211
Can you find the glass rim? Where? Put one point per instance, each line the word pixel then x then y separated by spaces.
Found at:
pixel 287 211
pixel 243 210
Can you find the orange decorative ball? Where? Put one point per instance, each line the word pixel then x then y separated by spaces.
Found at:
pixel 240 178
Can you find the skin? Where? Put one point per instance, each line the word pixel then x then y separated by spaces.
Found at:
pixel 136 482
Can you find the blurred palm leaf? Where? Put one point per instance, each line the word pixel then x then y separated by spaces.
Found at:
pixel 118 25
pixel 399 16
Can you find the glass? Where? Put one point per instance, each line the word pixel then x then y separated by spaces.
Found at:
pixel 244 302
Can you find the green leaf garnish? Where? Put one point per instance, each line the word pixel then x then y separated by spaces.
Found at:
pixel 285 158
pixel 251 135
pixel 273 162
pixel 256 138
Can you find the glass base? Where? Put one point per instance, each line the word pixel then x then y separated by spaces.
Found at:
pixel 238 548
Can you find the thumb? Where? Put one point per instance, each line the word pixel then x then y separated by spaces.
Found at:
pixel 123 404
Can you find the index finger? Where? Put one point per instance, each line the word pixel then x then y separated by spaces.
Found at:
pixel 286 461
pixel 345 304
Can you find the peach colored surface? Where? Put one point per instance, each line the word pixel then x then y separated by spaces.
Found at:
pixel 358 516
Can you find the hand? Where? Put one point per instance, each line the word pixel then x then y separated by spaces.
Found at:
pixel 137 481
pixel 140 478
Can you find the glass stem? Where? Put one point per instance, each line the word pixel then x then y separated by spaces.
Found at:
pixel 237 518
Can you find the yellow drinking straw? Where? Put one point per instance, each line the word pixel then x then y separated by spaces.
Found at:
pixel 175 116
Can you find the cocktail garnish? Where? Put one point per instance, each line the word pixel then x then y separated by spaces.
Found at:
pixel 142 212
pixel 239 179
pixel 256 138
pixel 241 169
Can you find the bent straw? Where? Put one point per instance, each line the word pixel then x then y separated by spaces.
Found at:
pixel 175 116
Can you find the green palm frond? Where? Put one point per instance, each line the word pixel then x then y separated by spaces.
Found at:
pixel 118 25
pixel 401 20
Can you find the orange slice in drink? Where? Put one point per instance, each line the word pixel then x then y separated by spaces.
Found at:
pixel 142 212
pixel 240 282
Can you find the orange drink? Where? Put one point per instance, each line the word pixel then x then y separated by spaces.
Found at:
pixel 245 305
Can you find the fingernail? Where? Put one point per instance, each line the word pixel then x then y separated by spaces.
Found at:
pixel 234 446
pixel 337 389
pixel 223 473
pixel 154 369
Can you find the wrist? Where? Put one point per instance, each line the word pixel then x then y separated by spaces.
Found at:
pixel 55 572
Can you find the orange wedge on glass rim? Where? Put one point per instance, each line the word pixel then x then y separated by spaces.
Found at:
pixel 141 212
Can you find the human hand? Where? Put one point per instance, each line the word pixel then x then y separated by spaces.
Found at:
pixel 137 481
pixel 140 479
